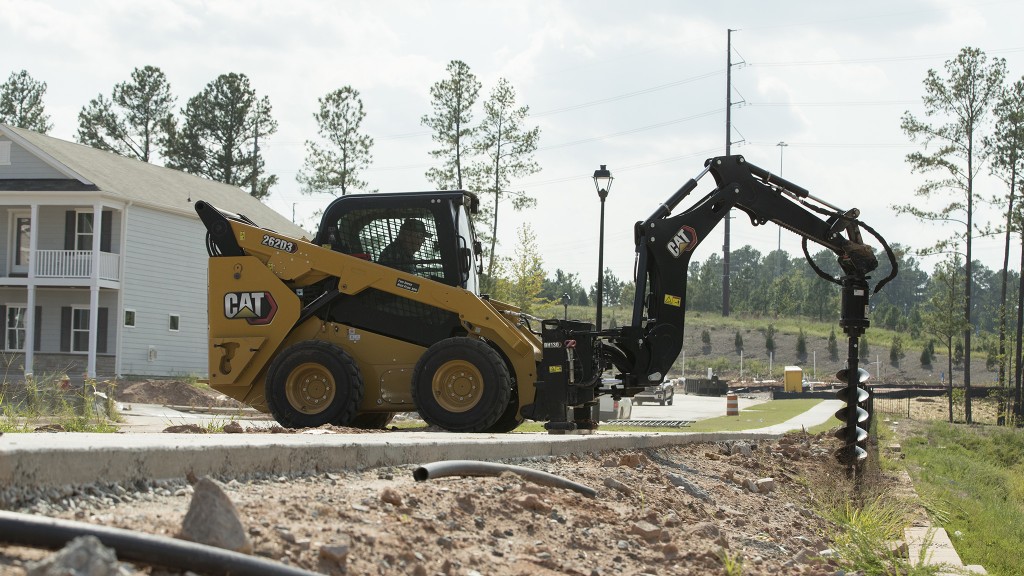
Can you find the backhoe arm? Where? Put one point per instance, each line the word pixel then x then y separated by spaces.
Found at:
pixel 646 349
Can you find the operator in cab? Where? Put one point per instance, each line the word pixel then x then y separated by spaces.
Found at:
pixel 401 253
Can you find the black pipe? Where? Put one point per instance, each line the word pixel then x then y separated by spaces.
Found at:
pixel 479 468
pixel 52 533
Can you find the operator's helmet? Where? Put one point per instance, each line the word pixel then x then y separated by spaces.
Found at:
pixel 414 227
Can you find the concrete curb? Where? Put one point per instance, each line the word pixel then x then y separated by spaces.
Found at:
pixel 51 460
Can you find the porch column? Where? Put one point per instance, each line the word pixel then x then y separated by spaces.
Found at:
pixel 30 305
pixel 94 289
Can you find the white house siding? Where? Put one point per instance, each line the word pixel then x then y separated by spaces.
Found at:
pixel 49 359
pixel 164 274
pixel 25 166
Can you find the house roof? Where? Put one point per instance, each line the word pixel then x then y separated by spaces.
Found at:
pixel 131 180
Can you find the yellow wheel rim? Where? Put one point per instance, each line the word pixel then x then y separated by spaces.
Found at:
pixel 457 386
pixel 310 388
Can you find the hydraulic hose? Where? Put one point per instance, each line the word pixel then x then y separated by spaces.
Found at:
pixel 479 468
pixel 44 532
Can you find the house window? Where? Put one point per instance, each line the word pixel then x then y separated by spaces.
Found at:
pixel 129 318
pixel 83 231
pixel 14 328
pixel 5 153
pixel 172 323
pixel 80 330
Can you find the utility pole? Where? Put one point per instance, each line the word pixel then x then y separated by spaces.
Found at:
pixel 256 151
pixel 782 146
pixel 728 145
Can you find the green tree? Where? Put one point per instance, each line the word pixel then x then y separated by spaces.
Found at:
pixel 801 345
pixel 506 147
pixel 611 287
pixel 963 101
pixel 524 273
pixel 769 339
pixel 1007 148
pixel 565 283
pixel 738 342
pixel 21 103
pixel 334 167
pixel 896 352
pixel 833 346
pixel 705 340
pixel 133 120
pixel 941 318
pixel 220 136
pixel 926 358
pixel 451 122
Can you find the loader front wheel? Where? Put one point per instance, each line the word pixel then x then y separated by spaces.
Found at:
pixel 313 383
pixel 461 385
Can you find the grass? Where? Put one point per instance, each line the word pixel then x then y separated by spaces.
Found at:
pixel 972 482
pixel 51 401
pixel 757 416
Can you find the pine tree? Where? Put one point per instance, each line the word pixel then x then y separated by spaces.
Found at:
pixel 738 342
pixel 801 345
pixel 134 119
pixel 334 167
pixel 506 149
pixel 21 103
pixel 833 346
pixel 223 125
pixel 451 121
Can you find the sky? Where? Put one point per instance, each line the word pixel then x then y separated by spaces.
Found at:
pixel 637 86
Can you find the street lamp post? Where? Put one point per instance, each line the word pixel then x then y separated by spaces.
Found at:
pixel 782 146
pixel 603 183
pixel 565 306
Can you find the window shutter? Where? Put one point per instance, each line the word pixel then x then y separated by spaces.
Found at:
pixel 3 324
pixel 69 230
pixel 65 328
pixel 101 331
pixel 106 219
pixel 38 344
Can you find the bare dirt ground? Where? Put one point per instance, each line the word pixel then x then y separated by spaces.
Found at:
pixel 682 510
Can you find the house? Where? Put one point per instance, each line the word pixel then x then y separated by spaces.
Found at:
pixel 103 260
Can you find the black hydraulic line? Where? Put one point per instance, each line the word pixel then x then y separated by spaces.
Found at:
pixel 480 468
pixel 43 532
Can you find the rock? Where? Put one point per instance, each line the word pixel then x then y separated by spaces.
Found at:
pixel 532 503
pixel 765 485
pixel 212 519
pixel 707 530
pixel 741 448
pixel 233 428
pixel 646 530
pixel 185 429
pixel 84 555
pixel 750 485
pixel 670 551
pixel 335 555
pixel 617 486
pixel 465 502
pixel 631 460
pixel 690 488
pixel 391 496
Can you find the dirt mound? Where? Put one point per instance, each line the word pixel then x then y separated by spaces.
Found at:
pixel 173 393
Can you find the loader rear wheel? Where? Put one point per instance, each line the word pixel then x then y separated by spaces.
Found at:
pixel 509 419
pixel 313 383
pixel 461 385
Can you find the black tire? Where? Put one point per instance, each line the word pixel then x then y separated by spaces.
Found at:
pixel 671 398
pixel 636 402
pixel 461 385
pixel 313 383
pixel 372 420
pixel 661 403
pixel 509 419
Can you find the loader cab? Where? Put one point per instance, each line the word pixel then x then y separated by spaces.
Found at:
pixel 429 234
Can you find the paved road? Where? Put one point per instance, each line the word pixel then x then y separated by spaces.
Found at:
pixel 689 407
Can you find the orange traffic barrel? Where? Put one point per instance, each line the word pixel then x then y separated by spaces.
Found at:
pixel 732 405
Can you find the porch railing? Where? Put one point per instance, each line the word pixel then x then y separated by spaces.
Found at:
pixel 76 264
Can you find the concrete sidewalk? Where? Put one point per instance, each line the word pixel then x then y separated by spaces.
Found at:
pixel 818 414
